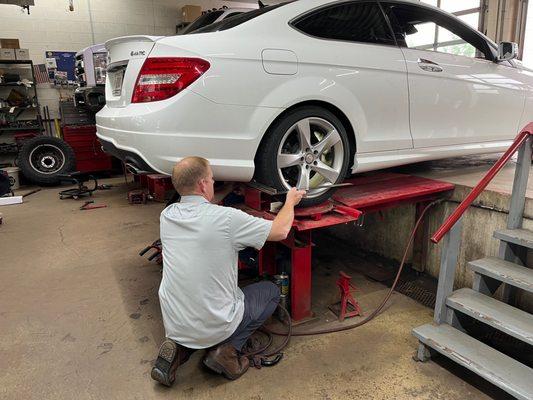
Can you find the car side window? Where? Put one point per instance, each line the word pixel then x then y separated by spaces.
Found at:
pixel 354 22
pixel 421 28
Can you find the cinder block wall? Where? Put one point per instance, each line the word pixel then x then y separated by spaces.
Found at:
pixel 51 26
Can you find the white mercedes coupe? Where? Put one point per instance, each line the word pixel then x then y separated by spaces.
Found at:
pixel 306 92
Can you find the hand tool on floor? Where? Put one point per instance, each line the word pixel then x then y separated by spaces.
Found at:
pixel 32 192
pixel 87 206
pixel 105 186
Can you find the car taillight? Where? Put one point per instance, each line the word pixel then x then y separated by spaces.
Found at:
pixel 164 77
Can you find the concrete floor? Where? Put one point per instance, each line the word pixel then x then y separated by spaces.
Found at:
pixel 80 319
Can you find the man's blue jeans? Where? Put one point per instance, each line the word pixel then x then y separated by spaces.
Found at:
pixel 260 301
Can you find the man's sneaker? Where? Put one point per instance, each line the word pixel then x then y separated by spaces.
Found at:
pixel 171 356
pixel 225 360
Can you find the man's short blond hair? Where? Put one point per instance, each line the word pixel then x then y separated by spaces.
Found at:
pixel 188 172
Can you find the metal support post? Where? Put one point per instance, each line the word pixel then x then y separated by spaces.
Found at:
pixel 423 353
pixel 448 263
pixel 508 251
pixel 267 259
pixel 300 245
pixel 421 240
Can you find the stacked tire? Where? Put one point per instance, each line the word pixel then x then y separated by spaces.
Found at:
pixel 43 158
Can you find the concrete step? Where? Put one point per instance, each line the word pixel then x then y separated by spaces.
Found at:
pixel 504 271
pixel 522 237
pixel 503 371
pixel 495 313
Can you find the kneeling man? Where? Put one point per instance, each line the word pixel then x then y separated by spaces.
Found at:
pixel 201 303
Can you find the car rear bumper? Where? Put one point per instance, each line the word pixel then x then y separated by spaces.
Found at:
pixel 131 159
pixel 154 136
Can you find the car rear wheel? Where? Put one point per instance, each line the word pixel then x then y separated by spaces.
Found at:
pixel 307 148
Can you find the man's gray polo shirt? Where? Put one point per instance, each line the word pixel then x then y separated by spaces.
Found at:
pixel 200 300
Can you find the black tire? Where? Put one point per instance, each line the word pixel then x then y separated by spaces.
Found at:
pixel 266 158
pixel 42 158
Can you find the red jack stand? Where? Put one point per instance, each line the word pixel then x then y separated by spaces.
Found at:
pixel 347 300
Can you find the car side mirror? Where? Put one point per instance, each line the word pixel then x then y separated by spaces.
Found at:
pixel 507 51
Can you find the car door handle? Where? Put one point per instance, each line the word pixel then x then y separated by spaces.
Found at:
pixel 429 66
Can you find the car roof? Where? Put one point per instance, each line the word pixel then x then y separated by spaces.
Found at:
pixel 237 9
pixel 293 9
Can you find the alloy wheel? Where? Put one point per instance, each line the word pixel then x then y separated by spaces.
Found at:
pixel 310 154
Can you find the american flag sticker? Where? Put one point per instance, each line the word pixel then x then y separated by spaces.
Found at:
pixel 41 74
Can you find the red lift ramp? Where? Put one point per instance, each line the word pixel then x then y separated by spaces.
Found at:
pixel 370 192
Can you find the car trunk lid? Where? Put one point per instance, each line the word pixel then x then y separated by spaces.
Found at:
pixel 126 56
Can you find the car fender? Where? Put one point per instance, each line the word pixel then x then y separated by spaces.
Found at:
pixel 311 88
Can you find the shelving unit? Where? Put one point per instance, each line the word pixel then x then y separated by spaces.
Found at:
pixel 23 114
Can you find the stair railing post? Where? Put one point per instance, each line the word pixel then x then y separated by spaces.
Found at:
pixel 518 196
pixel 507 251
pixel 448 264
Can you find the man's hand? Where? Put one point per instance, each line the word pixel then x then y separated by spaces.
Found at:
pixel 294 196
pixel 283 222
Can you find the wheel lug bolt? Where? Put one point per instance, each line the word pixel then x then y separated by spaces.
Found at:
pixel 307 167
pixel 307 150
pixel 301 159
pixel 316 151
pixel 316 163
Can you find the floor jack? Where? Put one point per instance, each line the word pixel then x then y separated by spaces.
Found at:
pixel 77 178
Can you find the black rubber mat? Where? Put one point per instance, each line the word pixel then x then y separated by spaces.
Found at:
pixel 416 292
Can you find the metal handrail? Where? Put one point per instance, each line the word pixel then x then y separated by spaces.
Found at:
pixel 476 191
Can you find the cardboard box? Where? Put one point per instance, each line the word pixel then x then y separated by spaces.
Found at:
pixel 7 54
pixel 190 13
pixel 9 44
pixel 22 54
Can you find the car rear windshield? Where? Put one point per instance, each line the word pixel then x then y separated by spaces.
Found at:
pixel 237 19
pixel 203 21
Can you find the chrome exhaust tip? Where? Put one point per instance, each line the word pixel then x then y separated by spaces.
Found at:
pixel 133 169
